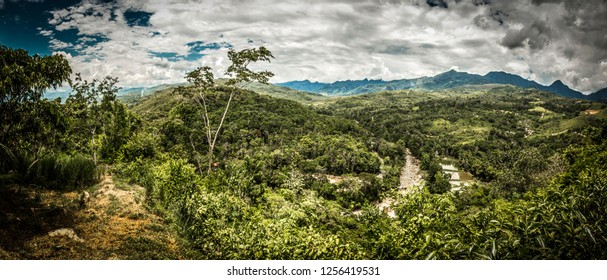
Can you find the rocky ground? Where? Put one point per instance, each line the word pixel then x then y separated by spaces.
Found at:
pixel 410 177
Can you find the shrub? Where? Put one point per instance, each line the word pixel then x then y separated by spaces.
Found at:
pixel 65 172
pixel 137 171
pixel 173 181
pixel 141 145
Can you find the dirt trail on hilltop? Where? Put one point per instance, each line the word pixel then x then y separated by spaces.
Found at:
pixel 106 221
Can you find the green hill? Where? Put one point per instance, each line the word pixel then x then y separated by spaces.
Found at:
pixel 285 93
pixel 271 182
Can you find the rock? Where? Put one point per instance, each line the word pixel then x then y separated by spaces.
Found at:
pixel 68 232
pixel 85 197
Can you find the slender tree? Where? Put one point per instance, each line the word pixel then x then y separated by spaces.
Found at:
pixel 239 75
pixel 91 106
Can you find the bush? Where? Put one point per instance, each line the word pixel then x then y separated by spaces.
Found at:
pixel 56 171
pixel 65 172
pixel 137 171
pixel 173 181
pixel 141 145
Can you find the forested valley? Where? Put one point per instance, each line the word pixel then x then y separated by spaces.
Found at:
pixel 236 168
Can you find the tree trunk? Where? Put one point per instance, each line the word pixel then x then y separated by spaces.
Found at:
pixel 210 158
pixel 93 146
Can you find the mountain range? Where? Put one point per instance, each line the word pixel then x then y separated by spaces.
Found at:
pixel 446 80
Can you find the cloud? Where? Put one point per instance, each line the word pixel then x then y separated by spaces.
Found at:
pixel 535 36
pixel 437 3
pixel 147 42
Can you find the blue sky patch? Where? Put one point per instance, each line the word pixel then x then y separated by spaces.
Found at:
pixel 195 51
pixel 21 20
pixel 137 18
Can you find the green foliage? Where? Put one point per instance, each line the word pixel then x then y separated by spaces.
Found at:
pixel 285 93
pixel 239 70
pixel 100 123
pixel 140 145
pixel 339 154
pixel 496 134
pixel 56 171
pixel 173 180
pixel 439 184
pixel 560 221
pixel 18 161
pixel 122 125
pixel 26 77
pixel 136 171
pixel 66 172
pixel 25 119
pixel 204 83
pixel 269 196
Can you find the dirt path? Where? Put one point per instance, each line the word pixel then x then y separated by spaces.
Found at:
pixel 409 177
pixel 107 221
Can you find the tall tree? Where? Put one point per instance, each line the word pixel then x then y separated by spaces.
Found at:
pixel 23 80
pixel 239 75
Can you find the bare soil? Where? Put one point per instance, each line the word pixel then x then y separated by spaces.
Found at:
pixel 106 221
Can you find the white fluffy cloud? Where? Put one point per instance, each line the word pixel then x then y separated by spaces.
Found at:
pixel 336 40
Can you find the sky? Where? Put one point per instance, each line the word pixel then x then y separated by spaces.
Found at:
pixel 152 42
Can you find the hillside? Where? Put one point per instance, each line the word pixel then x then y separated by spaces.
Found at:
pixel 285 93
pixel 136 95
pixel 344 156
pixel 311 177
pixel 600 95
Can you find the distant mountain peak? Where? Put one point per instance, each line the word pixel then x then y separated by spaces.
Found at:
pixel 559 83
pixel 500 73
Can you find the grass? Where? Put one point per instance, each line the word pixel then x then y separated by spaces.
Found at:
pixel 142 248
pixel 539 109
pixel 114 205
pixel 465 176
pixel 111 227
pixel 122 185
pixel 286 93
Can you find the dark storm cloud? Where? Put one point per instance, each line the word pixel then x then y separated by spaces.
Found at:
pixel 437 3
pixel 539 2
pixel 572 30
pixel 536 36
pixel 569 53
pixel 493 18
pixel 481 2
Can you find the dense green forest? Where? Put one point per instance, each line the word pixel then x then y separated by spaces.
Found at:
pixel 292 175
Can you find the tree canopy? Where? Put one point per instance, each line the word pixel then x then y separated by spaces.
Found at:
pixel 23 80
